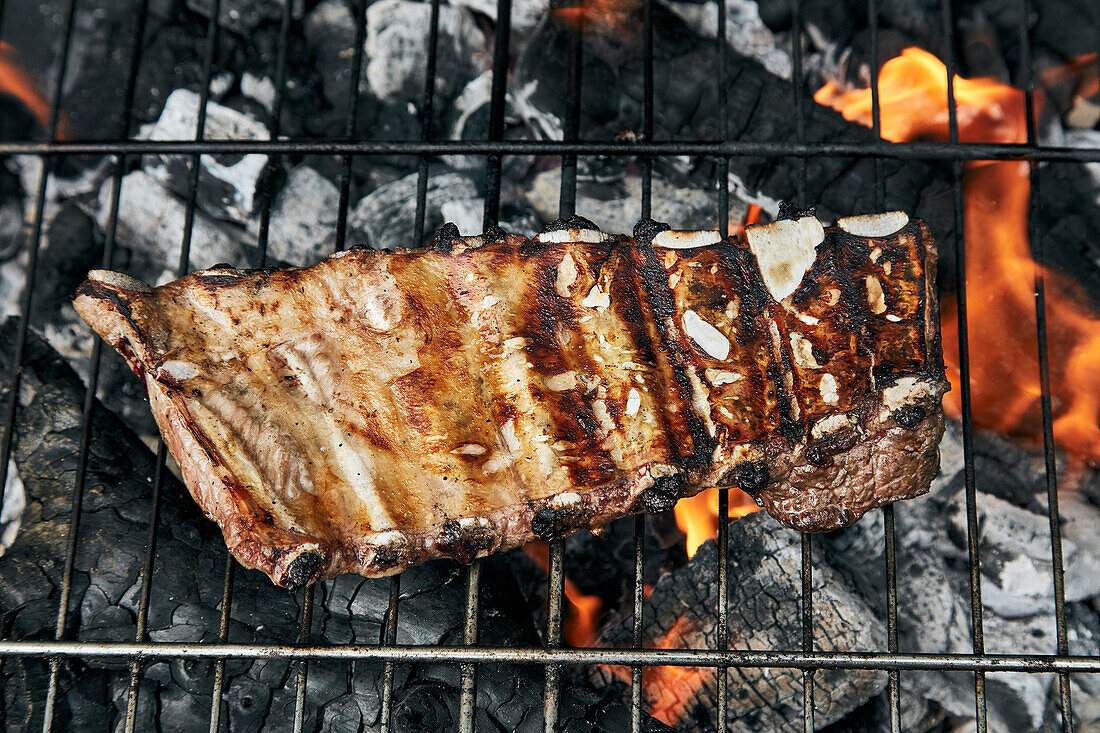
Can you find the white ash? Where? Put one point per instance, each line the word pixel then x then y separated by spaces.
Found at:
pixel 387 215
pixel 221 83
pixel 614 206
pixel 397 49
pixel 14 501
pixel 303 218
pixel 1015 548
pixel 227 183
pixel 466 214
pixel 746 33
pixel 526 14
pixel 259 89
pixel 151 223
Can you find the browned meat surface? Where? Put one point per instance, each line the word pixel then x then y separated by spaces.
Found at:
pixel 381 409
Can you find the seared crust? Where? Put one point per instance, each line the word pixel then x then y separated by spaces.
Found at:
pixel 381 409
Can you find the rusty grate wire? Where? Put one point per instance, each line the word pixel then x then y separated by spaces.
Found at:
pixel 494 149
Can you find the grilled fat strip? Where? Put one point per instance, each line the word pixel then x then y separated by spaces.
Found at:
pixel 381 409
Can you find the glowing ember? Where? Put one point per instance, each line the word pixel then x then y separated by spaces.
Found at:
pixel 582 612
pixel 670 690
pixel 1000 273
pixel 615 18
pixel 19 84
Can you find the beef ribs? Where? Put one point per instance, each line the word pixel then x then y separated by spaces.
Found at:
pixel 383 408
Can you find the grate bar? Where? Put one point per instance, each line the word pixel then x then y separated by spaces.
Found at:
pixel 890 554
pixel 389 632
pixel 469 639
pixel 17 362
pixel 1038 251
pixel 146 584
pixel 647 107
pixel 497 104
pixel 638 607
pixel 723 538
pixel 268 181
pixel 806 540
pixel 426 106
pixel 974 560
pixel 667 148
pixel 349 125
pixel 302 680
pixel 1028 663
pixel 267 184
pixel 223 636
pixel 638 601
pixel 555 589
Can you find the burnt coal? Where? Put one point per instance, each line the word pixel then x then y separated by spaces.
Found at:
pixel 764 585
pixel 387 215
pixel 303 218
pixel 186 595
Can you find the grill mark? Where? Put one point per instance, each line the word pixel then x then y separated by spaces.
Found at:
pixel 545 317
pixel 692 442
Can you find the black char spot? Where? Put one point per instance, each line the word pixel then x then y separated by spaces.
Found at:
pixel 646 229
pixel 910 416
pixel 545 524
pixel 445 237
pixel 752 477
pixel 788 210
pixel 570 222
pixel 663 494
pixel 301 570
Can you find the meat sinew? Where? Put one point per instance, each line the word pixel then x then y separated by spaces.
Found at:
pixel 380 409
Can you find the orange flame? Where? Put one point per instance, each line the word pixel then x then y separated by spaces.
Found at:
pixel 16 82
pixel 1000 274
pixel 697 516
pixel 582 612
pixel 670 690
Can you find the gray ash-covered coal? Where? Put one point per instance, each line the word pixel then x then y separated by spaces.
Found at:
pixel 186 595
pixel 934 613
pixel 764 585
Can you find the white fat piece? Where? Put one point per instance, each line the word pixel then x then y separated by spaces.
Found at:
pixel 709 338
pixel 686 240
pixel 596 298
pixel 561 382
pixel 784 250
pixel 803 352
pixel 567 275
pixel 179 369
pixel 717 377
pixel 562 236
pixel 874 225
pixel 827 387
pixel 633 402
pixel 906 391
pixel 875 297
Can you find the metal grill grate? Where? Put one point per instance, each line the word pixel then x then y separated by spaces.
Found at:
pixel 470 655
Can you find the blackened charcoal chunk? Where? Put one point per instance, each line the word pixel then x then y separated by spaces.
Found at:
pixel 387 214
pixel 242 16
pixel 397 50
pixel 227 185
pixel 330 34
pixel 71 249
pixel 303 218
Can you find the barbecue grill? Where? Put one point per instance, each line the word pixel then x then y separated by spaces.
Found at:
pixel 470 656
